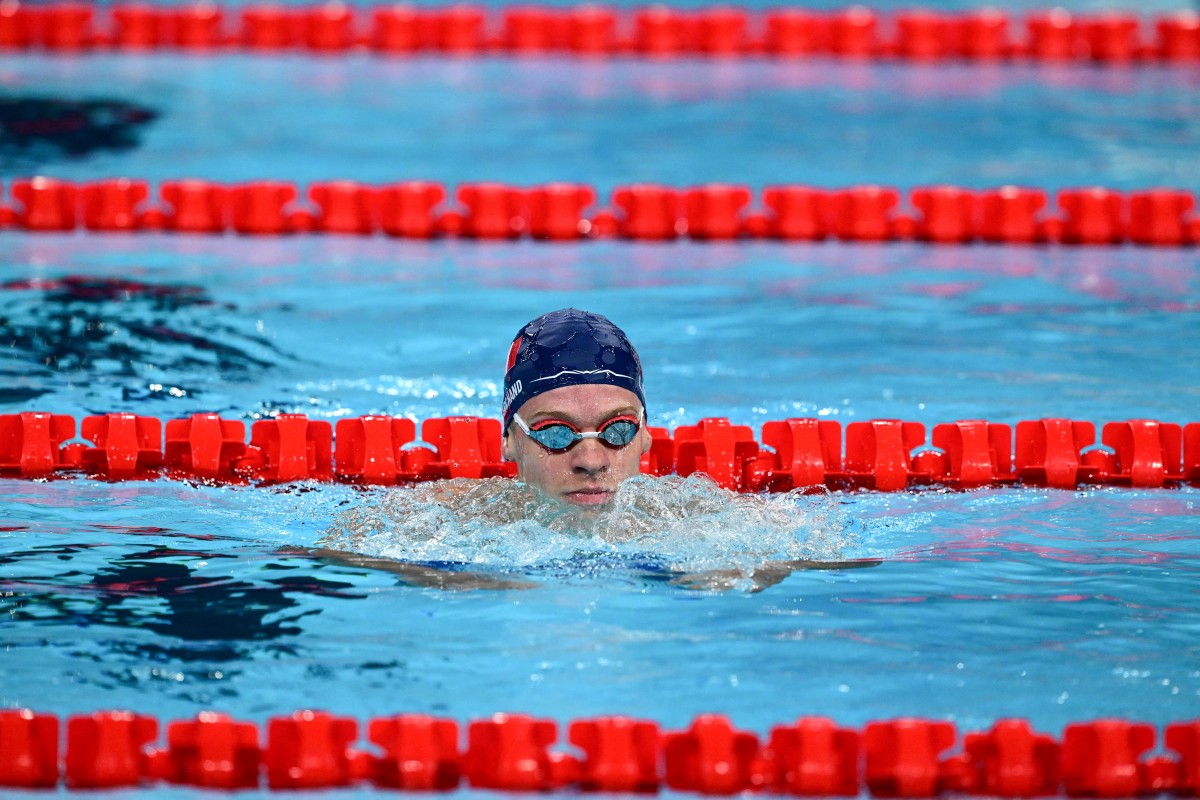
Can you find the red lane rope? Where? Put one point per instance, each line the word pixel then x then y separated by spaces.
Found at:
pixel 884 455
pixel 566 212
pixel 906 757
pixel 986 35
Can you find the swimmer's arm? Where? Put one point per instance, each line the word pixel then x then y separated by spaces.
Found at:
pixel 855 563
pixel 414 574
pixel 763 577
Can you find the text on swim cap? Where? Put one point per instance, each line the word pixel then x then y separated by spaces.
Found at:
pixel 511 395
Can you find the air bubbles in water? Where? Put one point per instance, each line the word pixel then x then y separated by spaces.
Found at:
pixel 686 525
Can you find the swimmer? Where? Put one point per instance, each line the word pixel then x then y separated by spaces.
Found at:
pixel 574 410
pixel 574 422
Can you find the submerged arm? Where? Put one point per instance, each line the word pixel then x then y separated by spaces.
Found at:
pixel 414 574
pixel 762 577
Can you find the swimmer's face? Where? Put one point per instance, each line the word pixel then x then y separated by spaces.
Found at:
pixel 588 474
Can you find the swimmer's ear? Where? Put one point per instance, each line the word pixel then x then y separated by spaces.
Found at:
pixel 506 448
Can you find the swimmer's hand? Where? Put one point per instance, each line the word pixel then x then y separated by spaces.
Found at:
pixel 720 580
pixel 413 574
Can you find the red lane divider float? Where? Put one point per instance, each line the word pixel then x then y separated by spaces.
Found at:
pixel 906 757
pixel 884 455
pixel 565 211
pixel 658 31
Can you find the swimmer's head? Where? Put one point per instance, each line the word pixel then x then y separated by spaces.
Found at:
pixel 567 348
pixel 574 408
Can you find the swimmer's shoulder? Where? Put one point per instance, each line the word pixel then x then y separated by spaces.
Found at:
pixel 451 489
pixel 481 500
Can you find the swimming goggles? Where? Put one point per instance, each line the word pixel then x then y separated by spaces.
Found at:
pixel 558 436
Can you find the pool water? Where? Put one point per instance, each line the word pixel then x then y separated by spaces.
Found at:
pixel 617 121
pixel 168 598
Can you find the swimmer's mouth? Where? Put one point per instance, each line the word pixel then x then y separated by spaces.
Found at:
pixel 590 497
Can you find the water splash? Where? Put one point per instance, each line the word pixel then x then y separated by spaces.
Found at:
pixel 687 525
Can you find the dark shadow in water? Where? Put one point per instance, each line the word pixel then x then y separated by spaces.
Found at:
pixel 126 329
pixel 39 130
pixel 204 618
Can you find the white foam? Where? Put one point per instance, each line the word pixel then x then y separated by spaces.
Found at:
pixel 688 525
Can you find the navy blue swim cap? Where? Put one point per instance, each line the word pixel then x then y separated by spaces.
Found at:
pixel 565 348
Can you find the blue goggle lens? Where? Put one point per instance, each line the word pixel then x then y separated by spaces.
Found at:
pixel 557 436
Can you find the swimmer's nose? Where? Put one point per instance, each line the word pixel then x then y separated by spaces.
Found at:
pixel 590 457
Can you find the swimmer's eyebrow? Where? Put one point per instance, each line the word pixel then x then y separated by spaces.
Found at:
pixel 621 411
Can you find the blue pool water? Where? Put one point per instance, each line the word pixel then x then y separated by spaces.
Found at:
pixel 169 598
pixel 681 123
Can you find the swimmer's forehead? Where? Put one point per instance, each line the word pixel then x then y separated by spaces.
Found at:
pixel 553 413
pixel 582 404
